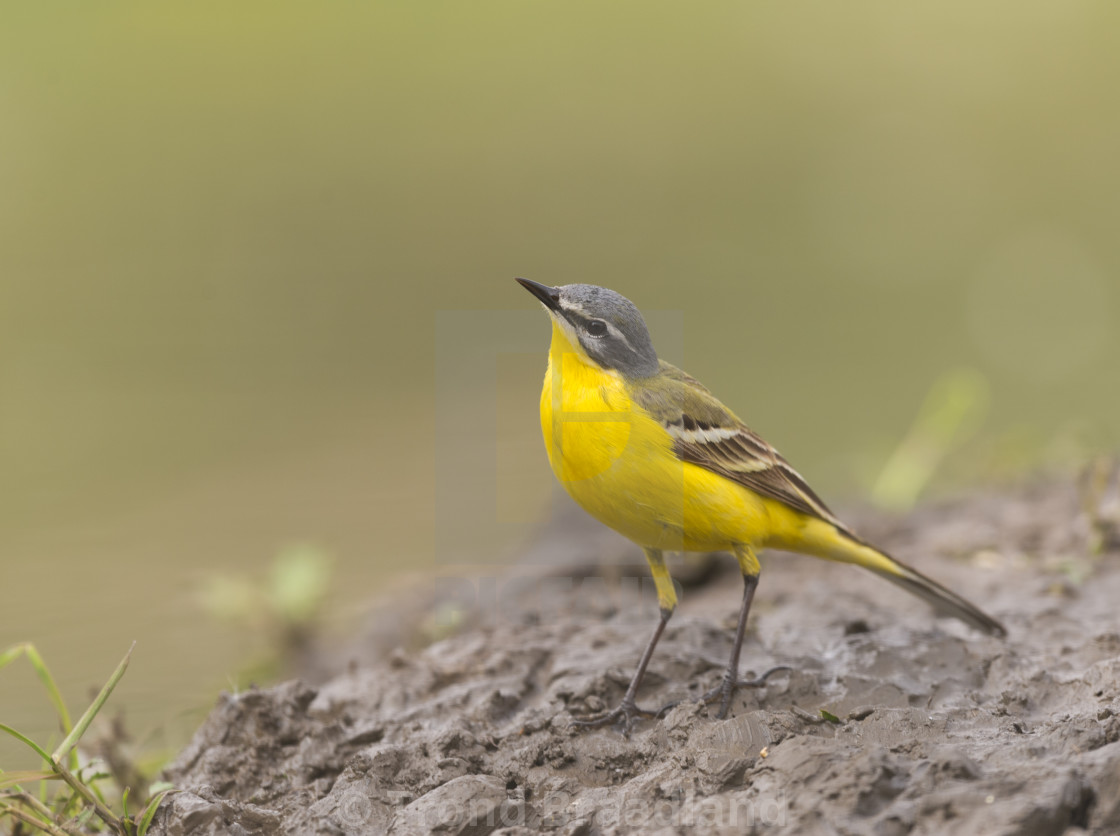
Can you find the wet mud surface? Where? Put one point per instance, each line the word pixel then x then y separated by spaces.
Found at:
pixel 935 729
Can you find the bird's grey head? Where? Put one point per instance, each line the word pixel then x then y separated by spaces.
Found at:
pixel 608 326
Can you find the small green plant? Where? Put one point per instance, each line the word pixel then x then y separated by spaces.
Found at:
pixel 283 607
pixel 79 805
pixel 953 411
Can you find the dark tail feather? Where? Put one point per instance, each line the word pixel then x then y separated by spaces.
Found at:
pixel 945 601
pixel 942 599
pixel 832 541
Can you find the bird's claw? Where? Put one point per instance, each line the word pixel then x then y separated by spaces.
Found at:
pixel 726 689
pixel 626 711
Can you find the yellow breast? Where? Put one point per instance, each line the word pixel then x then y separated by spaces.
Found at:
pixel 618 463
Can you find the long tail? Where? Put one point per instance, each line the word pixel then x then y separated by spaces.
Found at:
pixel 943 600
pixel 841 545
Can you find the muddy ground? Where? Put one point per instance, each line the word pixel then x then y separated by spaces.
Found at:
pixel 940 729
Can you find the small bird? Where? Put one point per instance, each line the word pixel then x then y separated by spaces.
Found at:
pixel 651 453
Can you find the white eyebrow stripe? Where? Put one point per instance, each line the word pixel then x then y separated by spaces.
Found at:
pixel 573 307
pixel 569 305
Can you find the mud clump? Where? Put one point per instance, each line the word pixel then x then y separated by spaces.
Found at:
pixel 927 727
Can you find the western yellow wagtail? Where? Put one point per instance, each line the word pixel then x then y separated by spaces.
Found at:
pixel 650 452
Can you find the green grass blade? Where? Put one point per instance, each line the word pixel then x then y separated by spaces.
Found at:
pixel 11 654
pixel 23 739
pixel 45 677
pixel 96 789
pixel 150 811
pixel 954 410
pixel 83 723
pixel 39 665
pixel 43 790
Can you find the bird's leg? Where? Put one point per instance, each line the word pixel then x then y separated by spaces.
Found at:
pixel 749 565
pixel 628 710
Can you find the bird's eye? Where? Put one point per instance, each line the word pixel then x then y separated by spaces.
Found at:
pixel 597 328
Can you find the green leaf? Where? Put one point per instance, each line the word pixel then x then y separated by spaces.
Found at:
pixel 84 816
pixel 150 811
pixel 83 723
pixel 299 582
pixel 828 715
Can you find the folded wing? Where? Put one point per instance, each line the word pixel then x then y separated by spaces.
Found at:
pixel 708 434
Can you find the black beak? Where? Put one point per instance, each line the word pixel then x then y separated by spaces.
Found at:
pixel 549 296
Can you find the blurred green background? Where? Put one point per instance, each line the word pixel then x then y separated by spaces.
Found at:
pixel 225 232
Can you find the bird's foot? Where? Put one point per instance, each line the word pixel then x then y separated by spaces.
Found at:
pixel 726 689
pixel 626 712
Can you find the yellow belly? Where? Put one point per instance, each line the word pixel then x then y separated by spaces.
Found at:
pixel 618 464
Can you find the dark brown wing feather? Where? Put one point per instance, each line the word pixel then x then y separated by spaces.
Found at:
pixel 747 459
pixel 689 411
